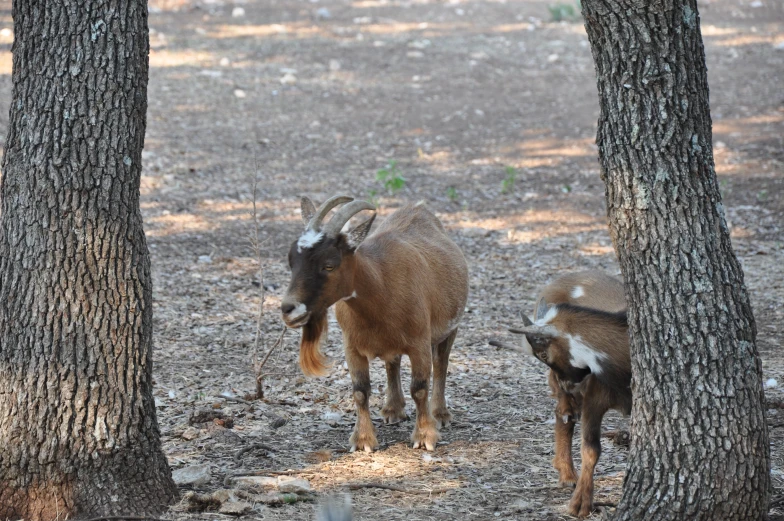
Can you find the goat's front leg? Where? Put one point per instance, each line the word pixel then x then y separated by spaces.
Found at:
pixel 364 435
pixel 565 418
pixel 593 411
pixel 394 409
pixel 425 434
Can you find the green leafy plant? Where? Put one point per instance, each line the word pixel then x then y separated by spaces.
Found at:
pixel 391 178
pixel 451 193
pixel 561 11
pixel 507 185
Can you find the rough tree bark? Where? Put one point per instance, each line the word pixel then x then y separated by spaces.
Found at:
pixel 78 432
pixel 699 439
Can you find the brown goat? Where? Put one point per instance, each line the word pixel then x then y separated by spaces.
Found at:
pixel 400 291
pixel 581 333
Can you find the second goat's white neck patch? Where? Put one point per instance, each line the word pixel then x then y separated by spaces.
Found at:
pixel 584 356
pixel 309 239
pixel 578 292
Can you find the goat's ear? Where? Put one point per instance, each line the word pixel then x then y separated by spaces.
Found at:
pixel 355 237
pixel 541 309
pixel 308 209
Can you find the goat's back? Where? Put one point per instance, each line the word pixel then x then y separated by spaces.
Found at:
pixel 422 267
pixel 589 289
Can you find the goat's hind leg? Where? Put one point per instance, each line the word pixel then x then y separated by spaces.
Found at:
pixel 440 365
pixel 394 409
pixel 425 434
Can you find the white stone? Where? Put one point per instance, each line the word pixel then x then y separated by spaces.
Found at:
pixel 255 482
pixel 238 12
pixel 288 79
pixel 239 93
pixel 194 475
pixel 770 383
pixel 293 485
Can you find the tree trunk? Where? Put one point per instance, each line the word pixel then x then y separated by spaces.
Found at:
pixel 699 439
pixel 78 430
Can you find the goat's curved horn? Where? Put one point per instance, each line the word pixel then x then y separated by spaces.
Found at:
pixel 333 227
pixel 315 221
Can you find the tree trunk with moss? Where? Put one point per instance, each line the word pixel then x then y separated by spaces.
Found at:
pixel 699 439
pixel 78 430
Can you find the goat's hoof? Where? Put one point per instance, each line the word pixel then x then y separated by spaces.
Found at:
pixel 363 442
pixel 393 414
pixel 567 478
pixel 425 437
pixel 580 506
pixel 443 417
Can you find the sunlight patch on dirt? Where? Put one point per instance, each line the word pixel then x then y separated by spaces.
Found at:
pixel 167 58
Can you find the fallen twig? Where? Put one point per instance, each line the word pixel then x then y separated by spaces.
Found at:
pixel 396 488
pixel 233 399
pixel 249 448
pixel 131 518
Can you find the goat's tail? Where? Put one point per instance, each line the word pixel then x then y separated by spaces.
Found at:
pixel 311 360
pixel 334 510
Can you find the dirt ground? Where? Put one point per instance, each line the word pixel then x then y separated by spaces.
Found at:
pixel 313 97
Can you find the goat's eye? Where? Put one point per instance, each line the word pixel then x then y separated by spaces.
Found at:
pixel 329 267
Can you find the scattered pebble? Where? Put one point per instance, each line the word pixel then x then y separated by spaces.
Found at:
pixel 194 475
pixel 288 79
pixel 771 383
pixel 238 12
pixel 322 13
pixel 239 93
pixel 552 58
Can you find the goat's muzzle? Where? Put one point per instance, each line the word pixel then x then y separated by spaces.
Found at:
pixel 294 315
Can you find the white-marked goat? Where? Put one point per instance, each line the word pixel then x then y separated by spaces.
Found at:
pixel 580 332
pixel 400 291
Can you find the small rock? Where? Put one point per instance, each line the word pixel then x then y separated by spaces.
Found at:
pixel 780 46
pixel 235 508
pixel 288 79
pixel 238 12
pixel 334 65
pixel 239 93
pixel 293 485
pixel 770 383
pixel 552 58
pixel 225 62
pixel 195 475
pixel 323 13
pixel 419 44
pixel 205 259
pixel 756 3
pixel 191 433
pixel 255 482
pixel 332 417
pixel 415 54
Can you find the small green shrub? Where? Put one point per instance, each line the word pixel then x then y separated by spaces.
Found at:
pixel 507 185
pixel 391 178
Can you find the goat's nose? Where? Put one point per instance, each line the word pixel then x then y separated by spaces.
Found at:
pixel 287 308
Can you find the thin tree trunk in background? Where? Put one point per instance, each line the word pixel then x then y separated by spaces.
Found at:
pixel 699 439
pixel 78 432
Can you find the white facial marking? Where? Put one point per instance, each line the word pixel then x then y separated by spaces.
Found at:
pixel 353 295
pixel 583 356
pixel 298 311
pixel 309 239
pixel 578 292
pixel 549 316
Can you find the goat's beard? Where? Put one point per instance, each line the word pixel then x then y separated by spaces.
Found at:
pixel 311 359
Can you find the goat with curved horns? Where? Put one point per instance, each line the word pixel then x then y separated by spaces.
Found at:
pixel 581 333
pixel 399 291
